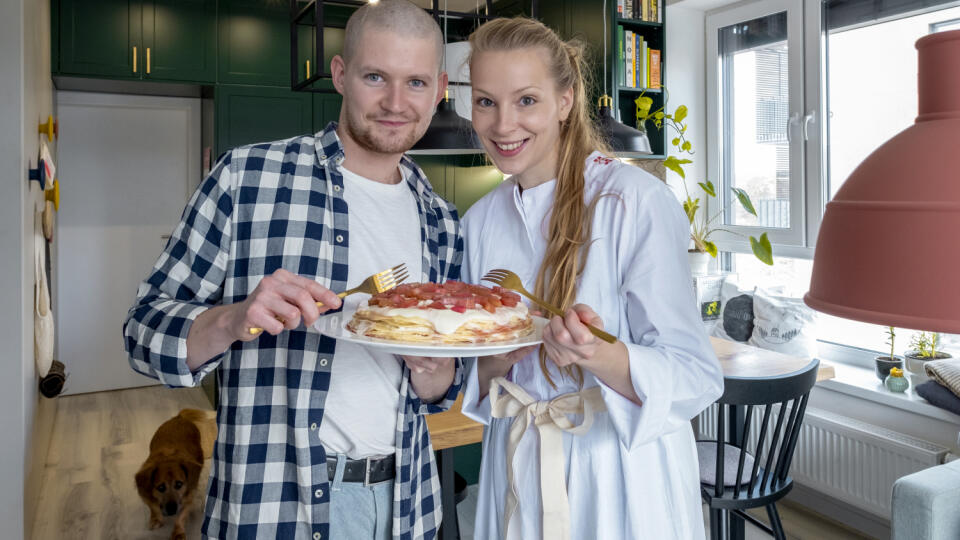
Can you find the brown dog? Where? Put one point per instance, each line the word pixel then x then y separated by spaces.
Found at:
pixel 168 479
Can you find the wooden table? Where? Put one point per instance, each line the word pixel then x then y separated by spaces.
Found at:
pixel 451 429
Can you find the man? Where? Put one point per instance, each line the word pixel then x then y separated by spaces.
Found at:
pixel 318 439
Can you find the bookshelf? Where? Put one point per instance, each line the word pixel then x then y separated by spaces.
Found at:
pixel 653 33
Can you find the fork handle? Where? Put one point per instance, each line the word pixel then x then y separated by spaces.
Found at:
pixel 254 331
pixel 593 329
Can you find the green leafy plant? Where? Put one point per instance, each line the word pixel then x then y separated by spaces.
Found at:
pixel 926 344
pixel 703 227
pixel 891 338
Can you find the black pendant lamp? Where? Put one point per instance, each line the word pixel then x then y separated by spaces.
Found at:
pixel 623 139
pixel 449 133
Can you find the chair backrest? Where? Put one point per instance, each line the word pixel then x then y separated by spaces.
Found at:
pixel 774 450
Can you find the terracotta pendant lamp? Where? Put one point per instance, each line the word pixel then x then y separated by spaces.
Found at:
pixel 889 246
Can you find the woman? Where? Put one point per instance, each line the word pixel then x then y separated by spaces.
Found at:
pixel 607 243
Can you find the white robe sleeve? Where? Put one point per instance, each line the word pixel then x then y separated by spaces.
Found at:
pixel 673 368
pixel 471 408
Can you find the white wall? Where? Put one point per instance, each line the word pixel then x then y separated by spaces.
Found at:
pixel 27 97
pixel 686 84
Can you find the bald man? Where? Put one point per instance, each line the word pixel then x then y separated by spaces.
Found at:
pixel 318 438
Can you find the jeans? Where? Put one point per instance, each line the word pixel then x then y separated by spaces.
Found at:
pixel 359 512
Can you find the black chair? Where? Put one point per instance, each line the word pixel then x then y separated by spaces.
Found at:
pixel 733 480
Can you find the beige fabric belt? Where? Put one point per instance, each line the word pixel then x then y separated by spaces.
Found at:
pixel 508 400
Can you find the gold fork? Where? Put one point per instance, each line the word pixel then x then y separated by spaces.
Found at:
pixel 509 280
pixel 377 283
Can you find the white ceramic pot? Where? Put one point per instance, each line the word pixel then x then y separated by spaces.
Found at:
pixel 699 262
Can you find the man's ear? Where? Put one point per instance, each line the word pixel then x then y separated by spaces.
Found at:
pixel 442 82
pixel 566 104
pixel 145 477
pixel 338 68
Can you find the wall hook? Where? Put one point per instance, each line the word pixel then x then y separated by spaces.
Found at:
pixel 53 195
pixel 39 174
pixel 51 128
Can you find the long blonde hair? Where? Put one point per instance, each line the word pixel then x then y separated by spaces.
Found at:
pixel 562 263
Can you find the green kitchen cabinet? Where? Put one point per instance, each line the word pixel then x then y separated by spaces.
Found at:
pixel 101 38
pixel 163 40
pixel 180 39
pixel 254 42
pixel 326 108
pixel 249 114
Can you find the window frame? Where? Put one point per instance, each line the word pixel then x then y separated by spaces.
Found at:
pixel 808 181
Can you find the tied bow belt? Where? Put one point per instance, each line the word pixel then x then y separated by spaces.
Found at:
pixel 508 400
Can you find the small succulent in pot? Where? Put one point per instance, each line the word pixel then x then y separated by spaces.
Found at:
pixel 885 363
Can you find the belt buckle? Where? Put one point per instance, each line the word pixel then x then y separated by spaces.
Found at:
pixel 366 473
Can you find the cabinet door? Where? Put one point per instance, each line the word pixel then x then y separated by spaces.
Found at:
pixel 326 109
pixel 250 114
pixel 180 37
pixel 97 37
pixel 254 42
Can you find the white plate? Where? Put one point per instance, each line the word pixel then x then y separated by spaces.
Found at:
pixel 335 326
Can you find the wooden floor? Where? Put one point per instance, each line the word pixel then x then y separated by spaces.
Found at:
pixel 99 442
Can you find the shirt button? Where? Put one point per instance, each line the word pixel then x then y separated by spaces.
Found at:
pixel 318 493
pixel 313 426
pixel 316 536
pixel 339 239
pixel 323 362
pixel 336 188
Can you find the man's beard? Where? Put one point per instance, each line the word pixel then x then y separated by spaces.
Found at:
pixel 370 138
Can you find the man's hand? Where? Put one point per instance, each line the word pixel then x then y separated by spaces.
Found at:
pixel 280 302
pixel 430 377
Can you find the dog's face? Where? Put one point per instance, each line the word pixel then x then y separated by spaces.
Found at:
pixel 167 480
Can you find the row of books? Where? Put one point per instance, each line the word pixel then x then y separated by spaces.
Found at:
pixel 644 10
pixel 641 64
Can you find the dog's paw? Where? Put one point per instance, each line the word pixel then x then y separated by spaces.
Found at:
pixel 178 534
pixel 155 523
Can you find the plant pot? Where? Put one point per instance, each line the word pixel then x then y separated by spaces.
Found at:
pixel 699 261
pixel 884 363
pixel 915 366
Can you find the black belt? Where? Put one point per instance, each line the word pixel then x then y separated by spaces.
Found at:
pixel 368 471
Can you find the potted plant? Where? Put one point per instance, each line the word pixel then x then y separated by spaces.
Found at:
pixel 885 363
pixel 925 346
pixel 701 225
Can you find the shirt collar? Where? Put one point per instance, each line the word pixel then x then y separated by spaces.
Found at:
pixel 330 149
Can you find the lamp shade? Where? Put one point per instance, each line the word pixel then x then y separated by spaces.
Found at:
pixel 623 140
pixel 448 133
pixel 887 252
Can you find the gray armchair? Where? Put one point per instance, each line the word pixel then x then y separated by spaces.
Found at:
pixel 926 504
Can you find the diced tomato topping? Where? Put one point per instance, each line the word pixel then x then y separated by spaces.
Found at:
pixel 508 301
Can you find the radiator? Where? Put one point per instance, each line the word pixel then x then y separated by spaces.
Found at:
pixel 847 459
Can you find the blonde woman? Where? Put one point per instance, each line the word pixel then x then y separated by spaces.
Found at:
pixel 586 440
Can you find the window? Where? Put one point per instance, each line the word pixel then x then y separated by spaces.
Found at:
pixel 768 136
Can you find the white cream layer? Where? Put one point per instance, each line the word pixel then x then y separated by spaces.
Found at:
pixel 446 321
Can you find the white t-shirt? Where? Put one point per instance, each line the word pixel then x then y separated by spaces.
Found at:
pixel 360 415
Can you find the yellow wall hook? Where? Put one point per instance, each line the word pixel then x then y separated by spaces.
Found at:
pixel 50 128
pixel 53 195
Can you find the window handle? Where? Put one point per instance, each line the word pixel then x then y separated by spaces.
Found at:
pixel 793 120
pixel 810 118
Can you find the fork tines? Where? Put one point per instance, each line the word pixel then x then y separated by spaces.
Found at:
pixel 389 279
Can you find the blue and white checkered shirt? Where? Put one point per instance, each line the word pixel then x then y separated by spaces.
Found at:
pixel 265 207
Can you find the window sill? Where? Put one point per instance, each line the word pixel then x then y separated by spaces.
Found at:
pixel 862 383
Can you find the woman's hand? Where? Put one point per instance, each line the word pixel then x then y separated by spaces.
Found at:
pixel 430 377
pixel 498 365
pixel 568 340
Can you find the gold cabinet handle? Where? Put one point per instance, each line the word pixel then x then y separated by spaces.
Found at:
pixel 148 60
pixel 134 58
pixel 308 68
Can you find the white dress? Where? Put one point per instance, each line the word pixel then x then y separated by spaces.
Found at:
pixel 634 475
